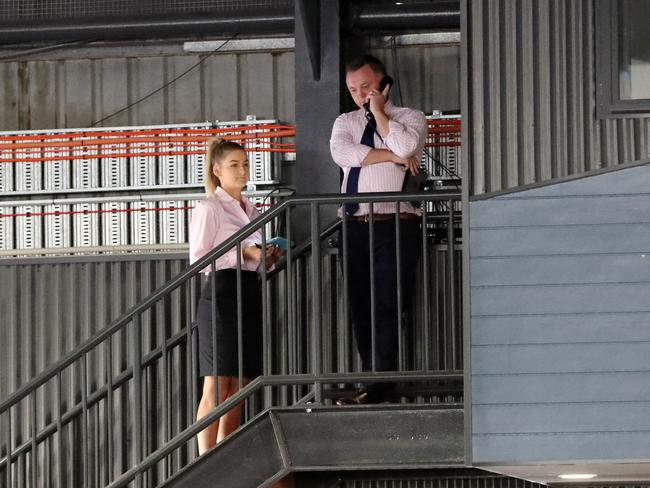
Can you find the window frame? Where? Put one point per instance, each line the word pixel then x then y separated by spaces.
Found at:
pixel 608 101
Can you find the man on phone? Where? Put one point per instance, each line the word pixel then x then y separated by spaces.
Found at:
pixel 375 146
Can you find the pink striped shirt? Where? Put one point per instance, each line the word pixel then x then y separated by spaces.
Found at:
pixel 213 221
pixel 407 133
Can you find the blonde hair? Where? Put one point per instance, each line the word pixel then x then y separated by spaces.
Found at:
pixel 217 150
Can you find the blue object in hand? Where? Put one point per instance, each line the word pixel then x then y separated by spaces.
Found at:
pixel 278 241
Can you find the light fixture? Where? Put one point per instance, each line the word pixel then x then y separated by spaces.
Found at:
pixel 577 476
pixel 399 3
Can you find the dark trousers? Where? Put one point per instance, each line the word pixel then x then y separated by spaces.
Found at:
pixel 385 290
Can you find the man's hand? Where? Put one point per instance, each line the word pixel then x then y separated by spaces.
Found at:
pixel 377 100
pixel 411 164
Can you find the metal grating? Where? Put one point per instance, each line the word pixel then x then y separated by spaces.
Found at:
pixel 39 9
pixel 85 225
pixel 129 160
pixel 143 223
pixel 114 169
pixel 28 229
pixel 57 230
pixel 173 222
pixel 57 170
pixel 114 224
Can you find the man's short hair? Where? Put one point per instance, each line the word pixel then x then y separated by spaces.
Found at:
pixel 375 65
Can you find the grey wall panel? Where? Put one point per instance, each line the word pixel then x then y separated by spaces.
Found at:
pixel 560 299
pixel 429 76
pixel 75 92
pixel 559 311
pixel 77 87
pixel 572 210
pixel 530 109
pixel 585 446
pixel 567 239
pixel 49 309
pixel 554 270
pixel 570 418
pixel 523 391
pixel 561 358
pixel 550 329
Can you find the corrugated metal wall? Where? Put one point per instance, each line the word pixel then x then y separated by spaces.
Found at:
pixel 49 309
pixel 77 87
pixel 530 108
pixel 88 85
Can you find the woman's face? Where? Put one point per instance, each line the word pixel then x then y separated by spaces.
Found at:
pixel 232 171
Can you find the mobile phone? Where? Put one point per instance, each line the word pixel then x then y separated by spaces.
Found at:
pixel 278 241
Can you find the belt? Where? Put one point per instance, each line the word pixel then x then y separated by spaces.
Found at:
pixel 384 217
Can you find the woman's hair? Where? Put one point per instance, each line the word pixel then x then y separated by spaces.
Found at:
pixel 217 150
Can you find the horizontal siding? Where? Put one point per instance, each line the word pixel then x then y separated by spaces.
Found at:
pixel 530 109
pixel 561 358
pixel 617 388
pixel 577 298
pixel 551 329
pixel 569 418
pixel 560 347
pixel 561 446
pixel 571 239
pixel 560 270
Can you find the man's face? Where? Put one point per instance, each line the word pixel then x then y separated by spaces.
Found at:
pixel 360 82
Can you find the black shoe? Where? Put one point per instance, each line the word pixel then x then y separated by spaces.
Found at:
pixel 358 398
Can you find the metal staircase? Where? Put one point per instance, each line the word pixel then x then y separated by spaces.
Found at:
pixel 122 407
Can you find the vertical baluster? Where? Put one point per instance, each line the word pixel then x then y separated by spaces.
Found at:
pixel 291 307
pixel 109 408
pixel 286 319
pixel 59 430
pixel 213 297
pixel 344 255
pixel 137 395
pixel 267 352
pixel 8 465
pixel 190 377
pixel 373 297
pixel 426 295
pixel 398 264
pixel 34 454
pixel 84 421
pixel 451 295
pixel 316 301
pixel 240 311
pixel 165 396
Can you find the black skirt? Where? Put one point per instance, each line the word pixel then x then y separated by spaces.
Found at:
pixel 226 325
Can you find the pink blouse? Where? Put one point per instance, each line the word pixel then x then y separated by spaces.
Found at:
pixel 214 220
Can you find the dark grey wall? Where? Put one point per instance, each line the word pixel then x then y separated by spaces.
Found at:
pixel 49 309
pixel 560 343
pixel 530 104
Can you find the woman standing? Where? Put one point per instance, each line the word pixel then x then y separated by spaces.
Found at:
pixel 224 212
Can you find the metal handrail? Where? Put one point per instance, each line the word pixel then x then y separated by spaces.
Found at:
pixel 199 265
pixel 149 358
pixel 318 379
pixel 256 385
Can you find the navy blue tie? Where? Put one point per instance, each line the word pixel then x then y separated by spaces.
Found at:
pixel 368 138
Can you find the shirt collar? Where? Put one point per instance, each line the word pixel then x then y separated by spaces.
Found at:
pixel 225 197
